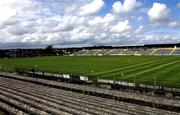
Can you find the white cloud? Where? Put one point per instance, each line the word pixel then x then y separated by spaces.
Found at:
pixel 178 5
pixel 91 8
pixel 108 18
pixel 127 7
pixel 10 8
pixel 139 18
pixel 121 27
pixel 97 21
pixel 158 12
pixel 36 23
pixel 140 29
pixel 174 24
pixel 117 7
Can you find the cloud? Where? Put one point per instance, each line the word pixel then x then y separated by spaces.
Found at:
pixel 158 12
pixel 178 5
pixel 174 24
pixel 94 7
pixel 97 21
pixel 140 29
pixel 38 23
pixel 10 8
pixel 126 7
pixel 140 18
pixel 121 27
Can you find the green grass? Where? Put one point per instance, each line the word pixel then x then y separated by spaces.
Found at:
pixel 144 68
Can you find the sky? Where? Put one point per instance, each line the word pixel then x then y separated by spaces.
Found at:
pixel 77 23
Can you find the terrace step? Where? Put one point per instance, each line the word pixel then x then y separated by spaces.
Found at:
pixel 60 100
pixel 22 106
pixel 98 91
pixel 11 110
pixel 56 104
pixel 57 94
pixel 33 102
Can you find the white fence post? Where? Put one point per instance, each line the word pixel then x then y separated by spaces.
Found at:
pixel 134 81
pixel 154 83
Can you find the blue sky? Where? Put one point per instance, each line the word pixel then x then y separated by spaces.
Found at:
pixel 67 23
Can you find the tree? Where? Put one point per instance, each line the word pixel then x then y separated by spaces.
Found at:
pixel 49 50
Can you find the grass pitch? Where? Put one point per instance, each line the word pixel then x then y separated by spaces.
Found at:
pixel 166 69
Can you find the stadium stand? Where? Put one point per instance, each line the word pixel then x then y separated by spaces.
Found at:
pixel 115 52
pixel 176 52
pixel 70 102
pixel 146 51
pixel 93 52
pixel 163 51
pixel 129 51
pixel 152 49
pixel 79 53
pixel 31 99
pixel 103 52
